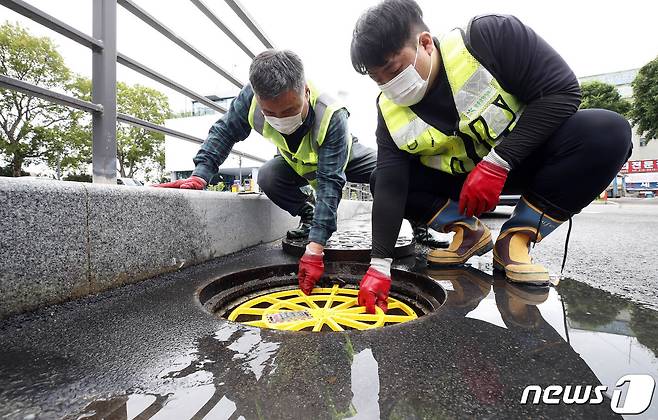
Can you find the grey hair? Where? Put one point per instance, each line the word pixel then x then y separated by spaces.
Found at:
pixel 276 71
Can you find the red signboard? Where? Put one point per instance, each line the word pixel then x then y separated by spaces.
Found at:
pixel 640 166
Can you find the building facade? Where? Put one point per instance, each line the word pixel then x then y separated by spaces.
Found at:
pixel 179 153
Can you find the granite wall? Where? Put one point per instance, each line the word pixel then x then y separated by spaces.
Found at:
pixel 64 240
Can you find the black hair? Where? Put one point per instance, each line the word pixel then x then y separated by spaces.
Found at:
pixel 384 30
pixel 276 71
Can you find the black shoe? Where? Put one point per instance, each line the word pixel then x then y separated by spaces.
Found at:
pixel 424 237
pixel 302 231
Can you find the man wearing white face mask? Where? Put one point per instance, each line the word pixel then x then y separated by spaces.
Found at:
pixel 310 131
pixel 465 116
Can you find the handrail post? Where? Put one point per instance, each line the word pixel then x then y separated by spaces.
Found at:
pixel 104 92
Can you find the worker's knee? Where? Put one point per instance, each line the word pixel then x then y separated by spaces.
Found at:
pixel 266 177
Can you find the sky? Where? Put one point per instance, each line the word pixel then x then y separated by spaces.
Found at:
pixel 593 36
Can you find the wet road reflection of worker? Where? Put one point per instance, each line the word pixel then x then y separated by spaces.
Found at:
pixel 476 366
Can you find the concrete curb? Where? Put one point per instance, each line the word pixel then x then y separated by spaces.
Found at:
pixel 64 240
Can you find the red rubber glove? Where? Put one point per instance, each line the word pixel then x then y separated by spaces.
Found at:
pixel 311 269
pixel 373 290
pixel 482 188
pixel 191 183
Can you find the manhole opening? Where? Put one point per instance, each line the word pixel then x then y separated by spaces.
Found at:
pixel 268 297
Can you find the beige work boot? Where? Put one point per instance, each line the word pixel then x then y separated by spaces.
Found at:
pixel 471 238
pixel 512 250
pixel 512 255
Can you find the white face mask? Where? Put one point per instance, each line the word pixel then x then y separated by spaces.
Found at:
pixel 408 87
pixel 285 125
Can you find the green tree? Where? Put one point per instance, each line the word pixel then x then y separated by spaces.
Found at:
pixel 644 112
pixel 137 149
pixel 605 96
pixel 29 126
pixel 69 146
pixel 9 171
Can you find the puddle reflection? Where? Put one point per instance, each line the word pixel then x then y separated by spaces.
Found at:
pixel 613 335
pixel 487 343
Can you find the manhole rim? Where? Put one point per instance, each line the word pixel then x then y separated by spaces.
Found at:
pixel 291 269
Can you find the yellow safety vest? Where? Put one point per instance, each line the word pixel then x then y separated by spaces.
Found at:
pixel 304 161
pixel 486 112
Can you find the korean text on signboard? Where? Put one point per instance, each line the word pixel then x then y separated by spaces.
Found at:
pixel 639 166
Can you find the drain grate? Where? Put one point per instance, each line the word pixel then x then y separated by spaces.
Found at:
pixel 326 309
pixel 268 297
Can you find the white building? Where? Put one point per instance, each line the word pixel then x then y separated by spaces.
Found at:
pixel 179 153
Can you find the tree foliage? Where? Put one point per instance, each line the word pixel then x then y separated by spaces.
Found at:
pixel 605 96
pixel 32 129
pixel 137 149
pixel 9 171
pixel 644 112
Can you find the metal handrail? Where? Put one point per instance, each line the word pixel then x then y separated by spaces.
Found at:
pixel 52 22
pixel 39 92
pixel 137 122
pixel 160 27
pixel 103 45
pixel 250 22
pixel 217 21
pixel 152 74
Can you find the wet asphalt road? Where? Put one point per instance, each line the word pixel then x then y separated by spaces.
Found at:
pixel 151 349
pixel 613 247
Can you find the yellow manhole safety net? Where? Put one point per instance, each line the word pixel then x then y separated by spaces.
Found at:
pixel 334 309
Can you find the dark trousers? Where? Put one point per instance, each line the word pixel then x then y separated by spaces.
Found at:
pixel 561 177
pixel 281 183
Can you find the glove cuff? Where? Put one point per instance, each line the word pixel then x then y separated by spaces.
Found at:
pixel 309 251
pixel 495 159
pixel 382 265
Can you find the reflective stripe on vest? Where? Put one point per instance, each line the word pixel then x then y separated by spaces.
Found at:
pixel 486 112
pixel 305 160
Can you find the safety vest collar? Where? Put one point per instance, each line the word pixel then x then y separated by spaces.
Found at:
pixel 486 113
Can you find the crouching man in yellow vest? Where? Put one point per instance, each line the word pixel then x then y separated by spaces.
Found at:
pixel 310 130
pixel 466 116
